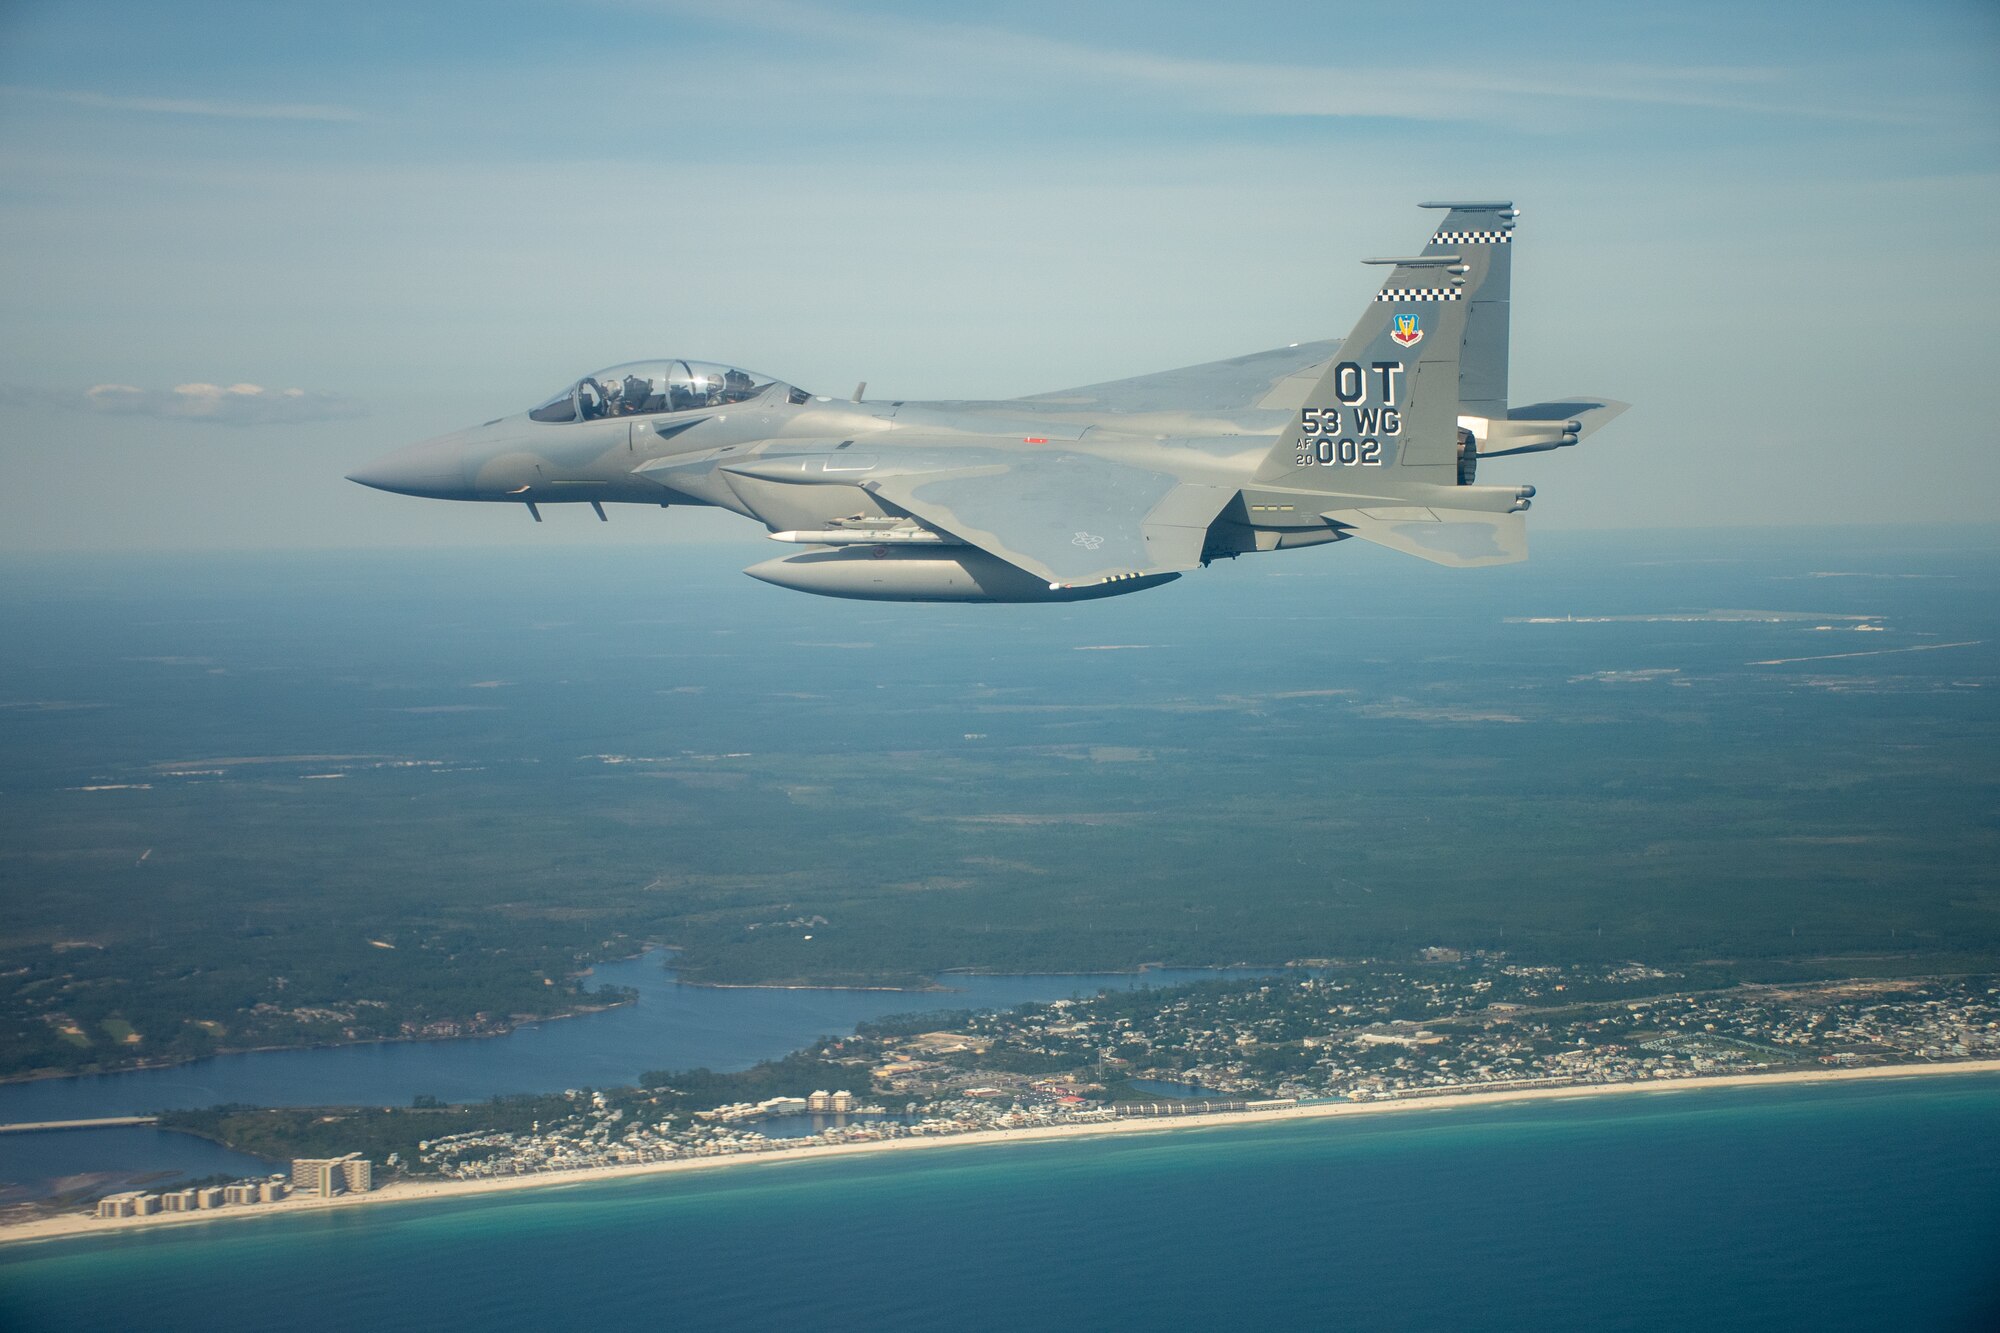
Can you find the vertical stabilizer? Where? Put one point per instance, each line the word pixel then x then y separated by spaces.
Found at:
pixel 1481 234
pixel 1386 410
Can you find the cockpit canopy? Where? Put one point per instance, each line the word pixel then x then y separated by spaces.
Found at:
pixel 643 387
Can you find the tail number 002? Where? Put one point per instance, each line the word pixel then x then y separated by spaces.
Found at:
pixel 1322 445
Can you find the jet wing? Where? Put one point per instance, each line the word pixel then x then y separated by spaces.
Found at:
pixel 1070 519
pixel 1276 379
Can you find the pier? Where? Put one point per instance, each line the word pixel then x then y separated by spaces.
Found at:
pixel 108 1122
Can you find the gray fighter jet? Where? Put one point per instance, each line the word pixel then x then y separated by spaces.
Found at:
pixel 1087 492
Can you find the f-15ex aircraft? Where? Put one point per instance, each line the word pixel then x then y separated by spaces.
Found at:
pixel 1088 492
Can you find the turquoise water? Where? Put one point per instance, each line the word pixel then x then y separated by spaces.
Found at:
pixel 1854 1207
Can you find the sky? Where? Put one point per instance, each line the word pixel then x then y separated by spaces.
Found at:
pixel 245 248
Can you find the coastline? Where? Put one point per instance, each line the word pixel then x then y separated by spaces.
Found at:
pixel 69 1226
pixel 515 1023
pixel 802 985
pixel 937 986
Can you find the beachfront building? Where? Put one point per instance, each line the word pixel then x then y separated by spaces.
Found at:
pixel 757 1110
pixel 328 1176
pixel 135 1203
pixel 309 1175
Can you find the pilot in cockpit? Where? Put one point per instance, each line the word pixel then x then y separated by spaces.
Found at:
pixel 637 391
pixel 654 386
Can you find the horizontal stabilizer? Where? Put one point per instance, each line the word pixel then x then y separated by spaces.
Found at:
pixel 1461 538
pixel 1540 426
pixel 1588 413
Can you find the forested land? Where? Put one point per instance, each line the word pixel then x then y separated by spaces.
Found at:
pixel 325 810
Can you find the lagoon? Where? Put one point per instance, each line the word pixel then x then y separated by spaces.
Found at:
pixel 670 1026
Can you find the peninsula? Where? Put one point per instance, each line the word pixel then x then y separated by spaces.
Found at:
pixel 772 1152
pixel 1340 1038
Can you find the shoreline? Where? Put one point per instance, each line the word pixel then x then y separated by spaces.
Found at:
pixel 937 986
pixel 516 1023
pixel 70 1226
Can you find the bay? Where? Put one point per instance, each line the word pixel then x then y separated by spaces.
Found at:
pixel 49 1162
pixel 671 1026
pixel 1847 1206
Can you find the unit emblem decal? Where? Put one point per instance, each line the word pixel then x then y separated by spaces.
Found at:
pixel 1407 330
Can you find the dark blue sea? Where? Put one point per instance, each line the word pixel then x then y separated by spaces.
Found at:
pixel 1860 1206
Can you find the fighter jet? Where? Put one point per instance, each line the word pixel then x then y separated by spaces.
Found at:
pixel 1082 493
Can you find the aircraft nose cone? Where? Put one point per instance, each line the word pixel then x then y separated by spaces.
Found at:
pixel 434 469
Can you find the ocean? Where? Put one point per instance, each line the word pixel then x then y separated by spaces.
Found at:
pixel 1858 1206
pixel 1662 747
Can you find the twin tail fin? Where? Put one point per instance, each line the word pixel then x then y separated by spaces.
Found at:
pixel 1390 398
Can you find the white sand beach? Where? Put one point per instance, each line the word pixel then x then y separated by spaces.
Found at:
pixel 402 1192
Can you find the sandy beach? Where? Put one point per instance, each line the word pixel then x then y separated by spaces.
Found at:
pixel 401 1192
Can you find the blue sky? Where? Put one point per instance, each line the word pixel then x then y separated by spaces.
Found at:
pixel 1766 226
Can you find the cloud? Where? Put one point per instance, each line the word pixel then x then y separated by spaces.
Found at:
pixel 187 106
pixel 228 405
pixel 975 58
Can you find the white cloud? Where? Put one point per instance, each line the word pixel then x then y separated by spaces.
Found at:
pixel 187 106
pixel 229 405
pixel 973 59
